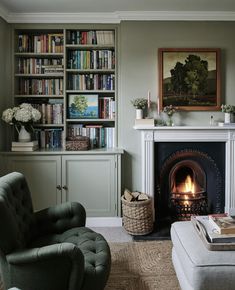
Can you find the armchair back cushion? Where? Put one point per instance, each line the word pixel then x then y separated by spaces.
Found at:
pixel 16 213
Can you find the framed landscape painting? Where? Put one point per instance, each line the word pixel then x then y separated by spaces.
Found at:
pixel 189 78
pixel 83 107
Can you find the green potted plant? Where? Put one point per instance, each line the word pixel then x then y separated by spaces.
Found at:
pixel 139 104
pixel 228 111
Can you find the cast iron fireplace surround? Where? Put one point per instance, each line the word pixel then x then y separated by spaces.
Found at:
pixel 204 162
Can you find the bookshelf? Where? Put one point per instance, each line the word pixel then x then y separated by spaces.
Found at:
pixel 39 80
pixel 44 74
pixel 70 74
pixel 91 78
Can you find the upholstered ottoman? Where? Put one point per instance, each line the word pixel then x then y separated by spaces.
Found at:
pixel 196 267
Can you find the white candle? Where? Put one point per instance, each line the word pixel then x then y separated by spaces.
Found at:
pixel 158 106
pixel 149 100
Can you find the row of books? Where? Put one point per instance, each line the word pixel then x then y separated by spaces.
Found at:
pixel 39 65
pixel 91 82
pixel 100 137
pixel 44 43
pixel 50 138
pixel 91 59
pixel 102 37
pixel 52 86
pixel 219 228
pixel 50 113
pixel 106 107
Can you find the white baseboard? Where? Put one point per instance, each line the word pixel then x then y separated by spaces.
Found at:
pixel 104 222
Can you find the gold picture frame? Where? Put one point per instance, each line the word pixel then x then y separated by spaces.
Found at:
pixel 189 78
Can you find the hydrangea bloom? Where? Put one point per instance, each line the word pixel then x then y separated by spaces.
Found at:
pixel 24 114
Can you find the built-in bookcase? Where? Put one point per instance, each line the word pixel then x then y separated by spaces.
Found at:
pixel 91 79
pixel 70 76
pixel 39 80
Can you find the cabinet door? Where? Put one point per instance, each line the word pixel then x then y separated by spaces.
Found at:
pixel 91 180
pixel 43 174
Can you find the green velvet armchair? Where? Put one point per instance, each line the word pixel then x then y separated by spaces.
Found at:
pixel 50 249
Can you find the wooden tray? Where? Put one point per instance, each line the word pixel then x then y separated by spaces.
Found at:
pixel 204 237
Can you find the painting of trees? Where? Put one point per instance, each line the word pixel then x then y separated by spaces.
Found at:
pixel 83 106
pixel 80 103
pixel 189 78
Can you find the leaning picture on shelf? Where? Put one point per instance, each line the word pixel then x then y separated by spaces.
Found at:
pixel 83 107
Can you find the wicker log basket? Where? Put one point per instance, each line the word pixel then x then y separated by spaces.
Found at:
pixel 137 216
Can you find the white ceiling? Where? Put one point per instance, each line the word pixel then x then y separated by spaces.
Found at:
pixel 48 10
pixel 78 6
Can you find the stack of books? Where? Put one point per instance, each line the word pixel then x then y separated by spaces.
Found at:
pixel 24 146
pixel 144 122
pixel 218 228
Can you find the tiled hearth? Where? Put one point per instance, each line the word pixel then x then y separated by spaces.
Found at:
pixel 149 137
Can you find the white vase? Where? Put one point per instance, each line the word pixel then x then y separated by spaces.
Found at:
pixel 228 118
pixel 139 114
pixel 24 135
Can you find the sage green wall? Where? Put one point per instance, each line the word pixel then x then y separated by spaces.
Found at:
pixel 5 77
pixel 138 73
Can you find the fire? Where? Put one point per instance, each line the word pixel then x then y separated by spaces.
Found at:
pixel 186 200
pixel 187 186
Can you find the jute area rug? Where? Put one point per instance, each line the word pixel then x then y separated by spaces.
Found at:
pixel 142 266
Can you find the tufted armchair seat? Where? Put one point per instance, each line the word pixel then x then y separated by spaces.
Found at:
pixel 50 249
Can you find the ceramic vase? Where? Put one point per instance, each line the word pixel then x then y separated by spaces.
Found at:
pixel 139 114
pixel 24 135
pixel 228 118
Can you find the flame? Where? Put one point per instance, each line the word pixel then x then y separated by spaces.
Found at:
pixel 186 200
pixel 187 186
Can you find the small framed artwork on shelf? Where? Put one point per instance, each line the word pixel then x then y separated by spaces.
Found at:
pixel 189 78
pixel 83 106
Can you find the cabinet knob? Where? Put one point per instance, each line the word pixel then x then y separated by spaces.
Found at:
pixel 58 187
pixel 65 187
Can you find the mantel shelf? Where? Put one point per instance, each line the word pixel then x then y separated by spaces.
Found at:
pixel 175 128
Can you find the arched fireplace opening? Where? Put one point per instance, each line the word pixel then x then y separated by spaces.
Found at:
pixel 187 184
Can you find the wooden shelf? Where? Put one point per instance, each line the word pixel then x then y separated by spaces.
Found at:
pixel 90 91
pixel 35 54
pixel 90 46
pixel 39 96
pixel 90 120
pixel 52 75
pixel 90 70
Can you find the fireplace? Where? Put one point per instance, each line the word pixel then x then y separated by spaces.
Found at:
pixel 205 153
pixel 189 179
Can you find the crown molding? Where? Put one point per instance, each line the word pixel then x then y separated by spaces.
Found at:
pixel 177 15
pixel 63 18
pixel 117 17
pixel 4 13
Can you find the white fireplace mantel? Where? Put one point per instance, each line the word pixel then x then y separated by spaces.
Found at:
pixel 150 135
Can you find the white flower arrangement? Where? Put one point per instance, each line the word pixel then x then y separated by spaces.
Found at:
pixel 139 103
pixel 169 110
pixel 228 108
pixel 23 115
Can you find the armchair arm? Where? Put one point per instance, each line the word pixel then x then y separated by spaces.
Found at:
pixel 59 218
pixel 58 266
